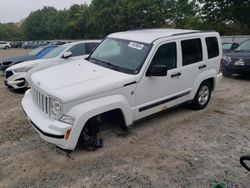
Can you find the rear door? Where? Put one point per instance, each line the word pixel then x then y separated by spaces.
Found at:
pixel 192 63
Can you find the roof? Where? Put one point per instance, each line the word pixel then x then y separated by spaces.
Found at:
pixel 149 35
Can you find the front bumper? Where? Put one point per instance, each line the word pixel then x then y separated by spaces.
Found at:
pixel 49 130
pixel 235 69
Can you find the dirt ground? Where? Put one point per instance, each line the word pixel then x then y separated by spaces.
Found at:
pixel 176 148
pixel 12 51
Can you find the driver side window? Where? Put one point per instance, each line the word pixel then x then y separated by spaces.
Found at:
pixel 166 55
pixel 78 49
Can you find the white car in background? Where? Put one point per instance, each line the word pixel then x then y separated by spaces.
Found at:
pixel 16 76
pixel 5 45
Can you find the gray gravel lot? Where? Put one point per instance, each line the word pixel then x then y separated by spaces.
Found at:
pixel 175 148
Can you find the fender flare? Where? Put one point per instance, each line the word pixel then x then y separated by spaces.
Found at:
pixel 202 77
pixel 86 110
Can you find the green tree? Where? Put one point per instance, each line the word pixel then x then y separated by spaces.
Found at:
pixel 228 16
pixel 38 25
pixel 10 31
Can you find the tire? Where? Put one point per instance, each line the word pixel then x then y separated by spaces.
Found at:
pixel 6 47
pixel 244 158
pixel 202 96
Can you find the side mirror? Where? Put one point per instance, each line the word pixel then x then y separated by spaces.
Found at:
pixel 67 54
pixel 157 70
pixel 234 46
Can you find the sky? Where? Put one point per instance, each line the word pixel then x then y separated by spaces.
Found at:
pixel 15 10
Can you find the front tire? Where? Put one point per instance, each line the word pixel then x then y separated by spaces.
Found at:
pixel 202 96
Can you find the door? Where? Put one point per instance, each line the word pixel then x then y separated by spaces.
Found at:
pixel 154 94
pixel 193 64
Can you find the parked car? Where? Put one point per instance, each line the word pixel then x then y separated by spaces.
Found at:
pixel 16 44
pixel 37 53
pixel 237 61
pixel 4 45
pixel 229 46
pixel 31 45
pixel 16 75
pixel 58 42
pixel 133 74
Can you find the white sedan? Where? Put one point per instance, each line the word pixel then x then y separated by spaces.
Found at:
pixel 16 76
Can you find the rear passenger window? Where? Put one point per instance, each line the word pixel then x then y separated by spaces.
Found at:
pixel 166 55
pixel 191 51
pixel 212 47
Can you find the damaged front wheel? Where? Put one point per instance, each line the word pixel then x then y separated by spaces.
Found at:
pixel 89 136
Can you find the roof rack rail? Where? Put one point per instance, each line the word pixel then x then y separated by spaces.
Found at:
pixel 185 33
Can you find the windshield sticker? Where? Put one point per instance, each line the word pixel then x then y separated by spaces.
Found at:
pixel 136 45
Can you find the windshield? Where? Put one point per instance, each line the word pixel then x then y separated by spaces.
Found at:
pixel 55 52
pixel 36 51
pixel 244 46
pixel 121 55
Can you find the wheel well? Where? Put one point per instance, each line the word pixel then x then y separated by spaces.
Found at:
pixel 114 117
pixel 211 81
pixel 104 121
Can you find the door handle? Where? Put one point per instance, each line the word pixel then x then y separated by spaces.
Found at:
pixel 175 75
pixel 202 66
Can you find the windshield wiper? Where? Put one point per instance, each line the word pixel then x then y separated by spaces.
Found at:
pixel 98 61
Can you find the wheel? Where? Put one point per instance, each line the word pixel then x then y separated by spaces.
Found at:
pixel 202 96
pixel 6 47
pixel 242 162
pixel 226 74
pixel 88 138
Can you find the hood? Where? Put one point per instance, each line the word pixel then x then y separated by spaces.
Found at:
pixel 27 64
pixel 239 54
pixel 18 58
pixel 79 79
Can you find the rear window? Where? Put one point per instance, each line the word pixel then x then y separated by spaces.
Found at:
pixel 212 47
pixel 191 51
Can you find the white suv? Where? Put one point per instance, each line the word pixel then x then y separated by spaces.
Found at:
pixel 5 45
pixel 133 73
pixel 17 76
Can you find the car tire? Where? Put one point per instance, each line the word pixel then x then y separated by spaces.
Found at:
pixel 226 74
pixel 202 96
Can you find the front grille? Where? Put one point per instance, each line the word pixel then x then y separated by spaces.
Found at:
pixel 8 74
pixel 41 101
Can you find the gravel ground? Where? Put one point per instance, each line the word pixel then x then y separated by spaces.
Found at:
pixel 175 148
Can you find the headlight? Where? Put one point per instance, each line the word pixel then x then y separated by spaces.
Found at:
pixel 67 119
pixel 23 69
pixel 55 108
pixel 226 58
